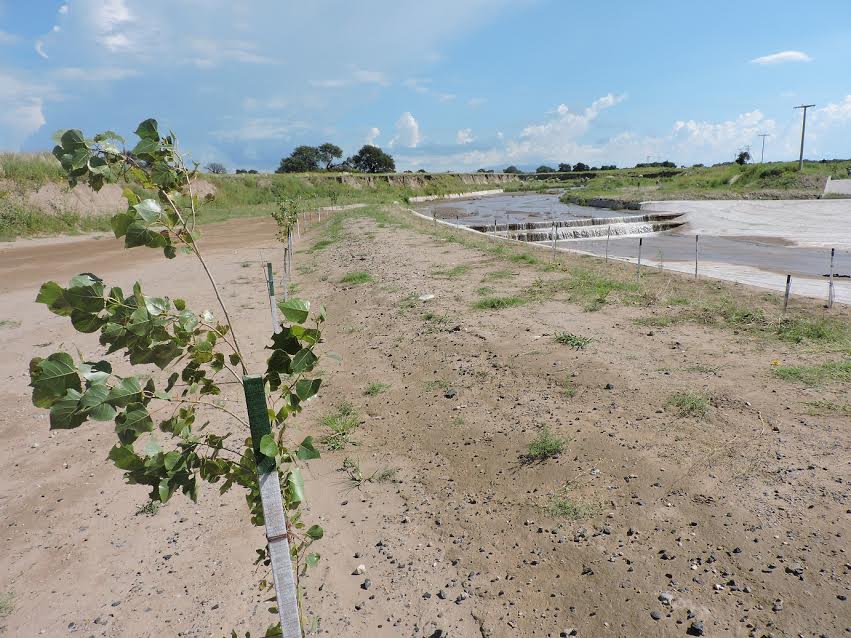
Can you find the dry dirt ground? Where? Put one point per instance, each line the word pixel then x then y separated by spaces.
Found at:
pixel 734 524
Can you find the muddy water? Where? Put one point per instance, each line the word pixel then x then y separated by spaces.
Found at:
pixel 739 256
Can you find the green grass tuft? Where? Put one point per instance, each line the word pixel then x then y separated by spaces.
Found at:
pixel 560 506
pixel 689 403
pixel 7 604
pixel 374 389
pixel 524 258
pixel 341 423
pixel 356 278
pixel 544 446
pixel 824 407
pixel 498 303
pixel 572 340
pixel 498 275
pixel 451 273
pixel 831 372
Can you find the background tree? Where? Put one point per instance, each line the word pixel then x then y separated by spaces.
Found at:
pixel 564 168
pixel 512 169
pixel 579 166
pixel 303 159
pixel 484 170
pixel 543 168
pixel 743 158
pixel 216 168
pixel 371 159
pixel 328 153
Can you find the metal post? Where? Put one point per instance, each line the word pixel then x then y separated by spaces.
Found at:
pixel 830 292
pixel 273 509
pixel 696 252
pixel 273 305
pixel 803 130
pixel 608 235
pixel 788 289
pixel 638 271
pixel 762 155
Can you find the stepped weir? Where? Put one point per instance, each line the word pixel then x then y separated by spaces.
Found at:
pixel 590 228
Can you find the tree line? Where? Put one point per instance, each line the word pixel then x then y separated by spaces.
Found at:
pixel 306 159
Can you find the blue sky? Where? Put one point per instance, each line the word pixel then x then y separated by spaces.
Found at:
pixel 440 84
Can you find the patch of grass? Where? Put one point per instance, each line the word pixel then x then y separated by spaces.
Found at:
pixel 9 323
pixel 688 403
pixel 498 275
pixel 572 340
pixel 451 273
pixel 498 303
pixel 438 384
pixel 341 423
pixel 544 446
pixel 702 369
pixel 7 604
pixel 821 330
pixel 568 389
pixel 437 323
pixel 679 301
pixel 148 509
pixel 824 407
pixel 322 244
pixel 356 278
pixel 655 322
pixel 357 478
pixel 458 421
pixel 524 258
pixel 484 291
pixel 831 372
pixel 19 221
pixel 374 389
pixel 562 506
pixel 588 287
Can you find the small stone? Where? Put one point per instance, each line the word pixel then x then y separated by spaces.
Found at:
pixel 572 631
pixel 609 386
pixel 778 605
pixel 451 393
pixel 631 531
pixel 366 584
pixel 360 569
pixel 696 628
pixel 442 594
pixel 655 615
pixel 427 595
pixel 665 598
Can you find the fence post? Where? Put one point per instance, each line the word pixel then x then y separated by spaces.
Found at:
pixel 608 235
pixel 273 305
pixel 696 239
pixel 555 230
pixel 273 509
pixel 788 289
pixel 638 271
pixel 830 292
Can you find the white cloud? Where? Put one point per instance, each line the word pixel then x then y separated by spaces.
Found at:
pixel 464 136
pixel 8 38
pixel 446 97
pixel 781 57
pixel 372 135
pixel 63 9
pixel 840 112
pixel 417 85
pixel 407 131
pixel 262 128
pixel 356 77
pixel 39 48
pixel 109 17
pixel 21 110
pixel 476 102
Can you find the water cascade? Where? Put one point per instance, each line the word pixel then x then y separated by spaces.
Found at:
pixel 590 228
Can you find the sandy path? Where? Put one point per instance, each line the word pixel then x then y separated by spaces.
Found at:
pixel 720 509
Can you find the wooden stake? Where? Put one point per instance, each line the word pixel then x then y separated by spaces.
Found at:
pixel 638 271
pixel 788 289
pixel 830 292
pixel 273 509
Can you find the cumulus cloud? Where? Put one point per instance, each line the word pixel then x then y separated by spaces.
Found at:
pixel 407 131
pixel 356 77
pixel 464 136
pixel 372 135
pixel 781 57
pixel 22 112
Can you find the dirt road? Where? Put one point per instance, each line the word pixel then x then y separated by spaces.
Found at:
pixel 646 524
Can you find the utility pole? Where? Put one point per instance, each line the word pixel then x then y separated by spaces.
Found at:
pixel 762 155
pixel 803 130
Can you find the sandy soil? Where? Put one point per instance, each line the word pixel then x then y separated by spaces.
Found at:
pixel 738 521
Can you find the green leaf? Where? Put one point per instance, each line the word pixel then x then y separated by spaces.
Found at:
pixel 120 223
pixel 85 293
pixel 315 532
pixel 179 304
pixel 86 322
pixel 97 372
pixel 295 310
pixel 125 458
pixel 51 378
pixel 128 391
pixel 65 414
pixel 302 361
pixel 156 305
pixel 146 149
pixel 152 448
pixel 147 130
pixel 306 388
pixel 93 402
pixel 134 422
pixel 72 139
pixel 53 296
pixel 312 559
pixel 108 136
pixel 149 210
pixel 306 451
pixel 294 488
pixel 164 490
pixel 268 447
pixel 139 235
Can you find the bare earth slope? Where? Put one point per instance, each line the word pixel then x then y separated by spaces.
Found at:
pixel 734 524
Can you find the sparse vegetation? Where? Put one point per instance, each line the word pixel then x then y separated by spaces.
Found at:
pixel 357 478
pixel 151 508
pixel 562 506
pixel 357 278
pixel 568 388
pixel 498 275
pixel 572 340
pixel 9 323
pixel 374 389
pixel 689 403
pixel 341 423
pixel 450 273
pixel 824 407
pixel 544 446
pixel 824 373
pixel 7 604
pixel 498 303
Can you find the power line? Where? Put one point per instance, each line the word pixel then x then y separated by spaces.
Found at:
pixel 803 130
pixel 762 155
